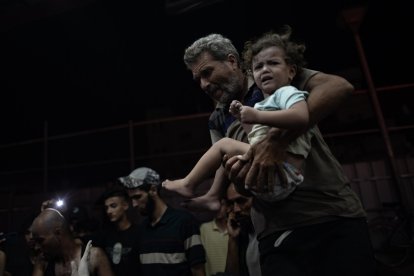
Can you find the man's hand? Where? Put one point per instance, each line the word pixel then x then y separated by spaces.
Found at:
pixel 260 165
pixel 50 203
pixel 233 227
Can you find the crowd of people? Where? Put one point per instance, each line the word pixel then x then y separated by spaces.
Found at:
pixel 281 203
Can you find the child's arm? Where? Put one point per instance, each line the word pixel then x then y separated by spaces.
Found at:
pixel 235 108
pixel 296 117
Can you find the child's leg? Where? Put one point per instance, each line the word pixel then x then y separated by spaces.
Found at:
pixel 210 201
pixel 206 166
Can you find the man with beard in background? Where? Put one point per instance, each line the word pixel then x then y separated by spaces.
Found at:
pixel 170 242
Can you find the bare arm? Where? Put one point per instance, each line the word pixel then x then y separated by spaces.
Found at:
pixel 198 270
pixel 327 92
pixel 38 269
pixel 39 266
pixel 232 261
pixel 259 165
pixel 99 262
pixel 295 117
pixel 235 110
pixel 2 262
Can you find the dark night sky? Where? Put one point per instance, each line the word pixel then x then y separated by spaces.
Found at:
pixel 106 62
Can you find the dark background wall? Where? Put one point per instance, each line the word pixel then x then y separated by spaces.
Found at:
pixel 83 64
pixel 80 71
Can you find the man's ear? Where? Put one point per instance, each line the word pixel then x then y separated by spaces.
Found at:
pixel 125 204
pixel 153 191
pixel 232 59
pixel 57 231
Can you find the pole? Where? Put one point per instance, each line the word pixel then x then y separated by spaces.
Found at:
pixel 353 18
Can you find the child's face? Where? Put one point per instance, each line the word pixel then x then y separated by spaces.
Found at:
pixel 270 70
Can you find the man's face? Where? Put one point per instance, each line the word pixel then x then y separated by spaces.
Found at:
pixel 140 200
pixel 45 242
pixel 241 205
pixel 223 81
pixel 115 208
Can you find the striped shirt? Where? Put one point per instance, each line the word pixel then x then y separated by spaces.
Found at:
pixel 171 246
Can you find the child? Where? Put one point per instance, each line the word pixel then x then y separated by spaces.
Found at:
pixel 273 62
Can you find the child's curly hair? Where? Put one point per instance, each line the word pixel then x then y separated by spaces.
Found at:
pixel 293 51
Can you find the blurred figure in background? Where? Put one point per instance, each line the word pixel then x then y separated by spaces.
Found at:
pixel 65 255
pixel 215 238
pixel 170 241
pixel 119 236
pixel 2 263
pixel 243 258
pixel 19 249
pixel 83 225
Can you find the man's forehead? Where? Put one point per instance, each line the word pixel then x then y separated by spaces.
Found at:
pixel 136 191
pixel 38 232
pixel 36 235
pixel 235 197
pixel 231 197
pixel 112 199
pixel 203 61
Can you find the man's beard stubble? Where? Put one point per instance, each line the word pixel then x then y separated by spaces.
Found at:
pixel 150 207
pixel 233 90
pixel 245 223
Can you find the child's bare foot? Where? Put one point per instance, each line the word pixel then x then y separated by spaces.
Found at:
pixel 202 203
pixel 179 186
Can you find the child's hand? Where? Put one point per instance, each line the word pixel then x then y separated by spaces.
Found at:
pixel 247 114
pixel 235 108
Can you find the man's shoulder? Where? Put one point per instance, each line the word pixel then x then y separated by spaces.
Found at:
pixel 179 213
pixel 300 81
pixel 218 112
pixel 179 217
pixel 97 257
pixel 208 223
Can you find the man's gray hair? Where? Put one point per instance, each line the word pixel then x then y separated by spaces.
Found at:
pixel 217 45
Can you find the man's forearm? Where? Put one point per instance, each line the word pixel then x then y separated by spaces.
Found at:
pixel 198 270
pixel 232 262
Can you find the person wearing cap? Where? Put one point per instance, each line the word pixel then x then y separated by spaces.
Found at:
pixel 120 235
pixel 170 242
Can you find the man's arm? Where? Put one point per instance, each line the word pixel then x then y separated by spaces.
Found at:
pixel 3 258
pixel 198 270
pixel 232 261
pixel 256 167
pixel 99 262
pixel 327 93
